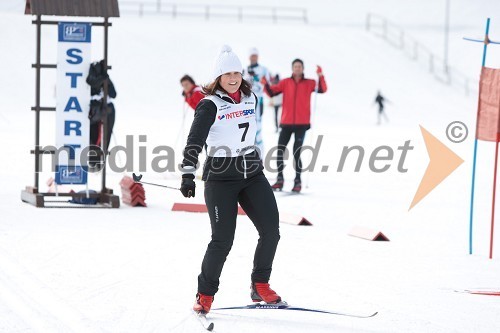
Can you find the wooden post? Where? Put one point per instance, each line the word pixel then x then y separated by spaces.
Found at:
pixel 104 132
pixel 37 98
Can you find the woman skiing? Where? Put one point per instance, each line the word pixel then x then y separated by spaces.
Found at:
pixel 225 124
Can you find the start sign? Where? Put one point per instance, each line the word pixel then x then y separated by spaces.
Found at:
pixel 73 100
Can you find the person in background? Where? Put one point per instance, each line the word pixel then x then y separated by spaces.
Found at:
pixel 191 92
pixel 295 116
pixel 254 73
pixel 98 114
pixel 380 100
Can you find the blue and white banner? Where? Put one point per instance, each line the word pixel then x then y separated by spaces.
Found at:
pixel 73 101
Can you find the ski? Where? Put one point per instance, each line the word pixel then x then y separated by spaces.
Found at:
pixel 202 318
pixel 285 306
pixel 479 292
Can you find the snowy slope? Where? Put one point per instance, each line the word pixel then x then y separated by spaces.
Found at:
pixel 134 270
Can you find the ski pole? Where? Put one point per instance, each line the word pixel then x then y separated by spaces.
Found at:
pixel 181 130
pixel 137 179
pixel 312 124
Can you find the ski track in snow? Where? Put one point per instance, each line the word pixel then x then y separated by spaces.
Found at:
pixel 40 309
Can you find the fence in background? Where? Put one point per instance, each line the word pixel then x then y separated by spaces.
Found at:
pixel 415 50
pixel 208 12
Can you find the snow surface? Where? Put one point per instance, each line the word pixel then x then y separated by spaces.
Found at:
pixel 135 269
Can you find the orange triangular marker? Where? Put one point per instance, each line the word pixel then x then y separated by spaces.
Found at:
pixel 443 161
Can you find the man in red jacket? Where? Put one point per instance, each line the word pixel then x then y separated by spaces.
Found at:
pixel 295 116
pixel 191 92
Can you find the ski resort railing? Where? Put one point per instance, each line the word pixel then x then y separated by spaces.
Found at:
pixel 415 50
pixel 208 12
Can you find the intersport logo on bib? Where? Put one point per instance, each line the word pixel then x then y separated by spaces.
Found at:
pixel 237 114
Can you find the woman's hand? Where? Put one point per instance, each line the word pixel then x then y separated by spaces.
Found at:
pixel 188 186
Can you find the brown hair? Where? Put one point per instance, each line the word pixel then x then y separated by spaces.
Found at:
pixel 211 88
pixel 187 78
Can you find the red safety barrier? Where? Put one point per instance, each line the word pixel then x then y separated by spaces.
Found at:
pixel 133 193
pixel 294 219
pixel 196 208
pixel 368 234
pixel 202 208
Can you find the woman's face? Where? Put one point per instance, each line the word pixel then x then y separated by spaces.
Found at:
pixel 186 86
pixel 231 81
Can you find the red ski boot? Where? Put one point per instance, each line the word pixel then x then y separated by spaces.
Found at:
pixel 203 303
pixel 297 186
pixel 278 186
pixel 262 292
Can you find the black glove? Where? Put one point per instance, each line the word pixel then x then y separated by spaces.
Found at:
pixel 187 185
